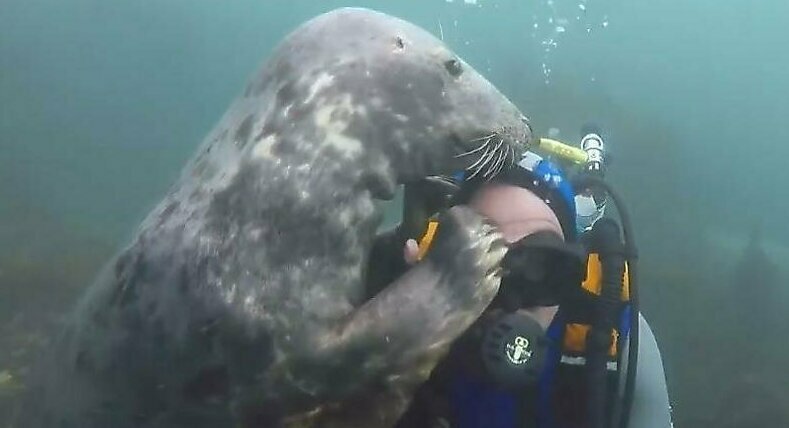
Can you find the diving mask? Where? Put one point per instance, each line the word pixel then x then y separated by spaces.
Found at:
pixel 539 270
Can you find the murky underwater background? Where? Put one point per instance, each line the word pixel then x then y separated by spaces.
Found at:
pixel 101 103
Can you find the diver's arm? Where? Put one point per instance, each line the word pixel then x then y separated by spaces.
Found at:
pixel 651 406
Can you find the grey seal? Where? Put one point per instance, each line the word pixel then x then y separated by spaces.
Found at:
pixel 240 301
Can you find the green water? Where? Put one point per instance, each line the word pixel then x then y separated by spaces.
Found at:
pixel 101 103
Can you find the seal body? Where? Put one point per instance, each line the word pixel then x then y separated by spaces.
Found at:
pixel 240 302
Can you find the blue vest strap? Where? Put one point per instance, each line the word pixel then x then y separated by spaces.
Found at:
pixel 477 405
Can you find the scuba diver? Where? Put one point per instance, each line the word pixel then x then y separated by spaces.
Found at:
pixel 554 349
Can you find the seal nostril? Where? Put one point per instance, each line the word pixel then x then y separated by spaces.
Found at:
pixel 453 67
pixel 399 42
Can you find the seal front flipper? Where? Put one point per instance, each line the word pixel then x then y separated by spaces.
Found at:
pixel 410 324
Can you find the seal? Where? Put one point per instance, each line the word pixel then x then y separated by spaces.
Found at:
pixel 240 301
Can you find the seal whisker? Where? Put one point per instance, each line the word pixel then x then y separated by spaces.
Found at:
pixel 504 161
pixel 474 174
pixel 509 157
pixel 487 137
pixel 486 158
pixel 497 166
pixel 489 173
pixel 490 157
pixel 474 150
pixel 479 161
pixel 477 170
pixel 492 166
pixel 504 155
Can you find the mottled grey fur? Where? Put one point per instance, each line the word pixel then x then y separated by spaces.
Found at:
pixel 240 302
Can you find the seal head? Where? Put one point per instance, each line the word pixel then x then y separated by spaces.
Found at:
pixel 386 95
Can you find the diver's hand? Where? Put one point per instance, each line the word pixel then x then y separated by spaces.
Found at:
pixel 411 247
pixel 411 252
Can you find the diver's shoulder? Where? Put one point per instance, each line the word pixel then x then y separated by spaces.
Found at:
pixel 651 402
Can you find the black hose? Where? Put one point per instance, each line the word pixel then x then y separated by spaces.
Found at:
pixel 605 239
pixel 631 256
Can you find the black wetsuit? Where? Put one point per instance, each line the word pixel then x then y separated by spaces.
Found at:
pixel 431 406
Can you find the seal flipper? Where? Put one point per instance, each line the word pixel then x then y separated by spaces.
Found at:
pixel 394 340
pixel 386 262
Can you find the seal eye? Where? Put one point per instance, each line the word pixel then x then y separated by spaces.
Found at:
pixel 453 67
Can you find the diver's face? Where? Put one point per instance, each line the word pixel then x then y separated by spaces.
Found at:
pixel 518 213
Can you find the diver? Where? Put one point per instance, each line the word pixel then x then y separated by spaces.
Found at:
pixel 537 357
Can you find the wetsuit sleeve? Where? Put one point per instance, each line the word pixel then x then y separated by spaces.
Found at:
pixel 651 406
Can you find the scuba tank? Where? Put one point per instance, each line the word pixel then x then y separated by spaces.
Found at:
pixel 618 261
pixel 615 255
